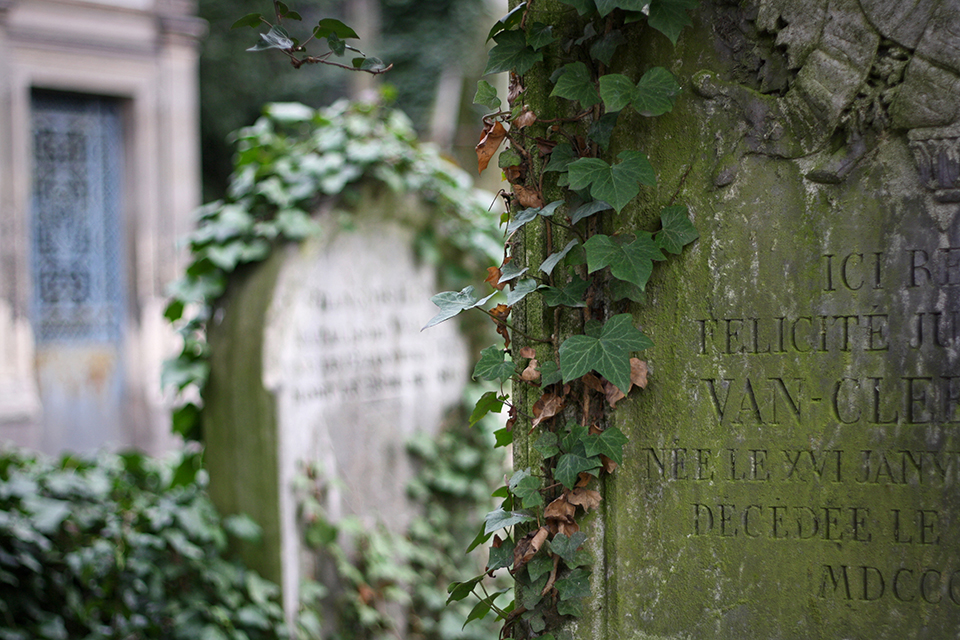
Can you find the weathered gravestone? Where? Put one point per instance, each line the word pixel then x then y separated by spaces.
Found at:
pixel 319 360
pixel 793 470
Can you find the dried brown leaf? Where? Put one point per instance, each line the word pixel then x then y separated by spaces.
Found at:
pixel 525 119
pixel 583 479
pixel 613 393
pixel 528 546
pixel 608 465
pixel 514 174
pixel 531 374
pixel 592 382
pixel 515 88
pixel 528 196
pixel 568 528
pixel 638 372
pixel 560 510
pixel 545 408
pixel 493 278
pixel 586 498
pixel 527 352
pixel 499 316
pixel 545 147
pixel 490 140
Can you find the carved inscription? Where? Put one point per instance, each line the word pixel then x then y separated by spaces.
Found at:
pixel 862 368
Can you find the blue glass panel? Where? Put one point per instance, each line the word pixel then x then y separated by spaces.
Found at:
pixel 77 237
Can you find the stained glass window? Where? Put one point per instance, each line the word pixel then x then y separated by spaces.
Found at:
pixel 76 223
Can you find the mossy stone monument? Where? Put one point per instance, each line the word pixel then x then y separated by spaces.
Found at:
pixel 794 464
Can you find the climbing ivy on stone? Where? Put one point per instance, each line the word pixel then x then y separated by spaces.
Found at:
pixel 588 363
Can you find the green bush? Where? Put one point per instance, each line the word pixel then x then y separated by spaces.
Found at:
pixel 114 547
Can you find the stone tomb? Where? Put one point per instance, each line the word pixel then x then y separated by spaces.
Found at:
pixel 793 470
pixel 320 359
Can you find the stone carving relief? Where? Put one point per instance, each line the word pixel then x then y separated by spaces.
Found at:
pixel 831 76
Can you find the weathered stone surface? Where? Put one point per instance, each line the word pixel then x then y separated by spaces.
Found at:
pixel 793 466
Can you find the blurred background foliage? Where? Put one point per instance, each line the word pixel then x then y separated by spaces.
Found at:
pixel 437 49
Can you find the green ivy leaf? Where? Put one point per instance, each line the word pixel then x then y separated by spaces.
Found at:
pixel 541 565
pixel 502 438
pixel 460 590
pixel 570 296
pixel 547 445
pixel 575 441
pixel 604 48
pixel 250 20
pixel 520 291
pixel 526 487
pixel 608 442
pixel 501 557
pixel 608 353
pixel 452 303
pixel 575 83
pixel 549 373
pixel 601 130
pixel 331 26
pixel 631 262
pixel 606 6
pixel 572 607
pixel 677 231
pixel 531 213
pixel 509 158
pixel 575 585
pixel 511 271
pixel 669 17
pixel 566 547
pixel 617 184
pixel 539 35
pixel 489 402
pixel 487 96
pixel 369 63
pixel 583 7
pixel 548 265
pixel 511 53
pixel 338 46
pixel 492 366
pixel 276 38
pixel 561 157
pixel 588 209
pixel 508 21
pixel 623 290
pixel 500 519
pixel 570 466
pixel 656 92
pixel 616 91
pixel 186 419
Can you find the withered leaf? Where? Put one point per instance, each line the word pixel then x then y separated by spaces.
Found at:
pixel 528 546
pixel 592 382
pixel 528 196
pixel 531 373
pixel 527 352
pixel 608 465
pixel 613 394
pixel 545 147
pixel 500 313
pixel 525 119
pixel 560 509
pixel 515 88
pixel 583 479
pixel 512 415
pixel 546 407
pixel 586 498
pixel 638 372
pixel 490 140
pixel 567 528
pixel 493 278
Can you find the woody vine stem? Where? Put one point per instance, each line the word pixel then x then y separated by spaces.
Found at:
pixel 583 279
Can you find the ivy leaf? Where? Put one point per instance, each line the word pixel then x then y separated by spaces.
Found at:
pixel 606 6
pixel 617 184
pixel 549 373
pixel 503 437
pixel 547 444
pixel 276 38
pixel 520 291
pixel 511 53
pixel 370 63
pixel 561 157
pixel 548 265
pixel 669 17
pixel 570 296
pixel 575 83
pixel 601 130
pixel 526 487
pixel 604 48
pixel 331 26
pixel 588 209
pixel 452 303
pixel 608 442
pixel 617 91
pixel 540 35
pixel 575 585
pixel 541 565
pixel 492 366
pixel 608 353
pixel 249 20
pixel 630 262
pixel 583 7
pixel 656 92
pixel 500 519
pixel 511 271
pixel 337 45
pixel 487 96
pixel 460 590
pixel 566 547
pixel 570 466
pixel 677 231
pixel 489 402
pixel 508 21
pixel 501 557
pixel 531 213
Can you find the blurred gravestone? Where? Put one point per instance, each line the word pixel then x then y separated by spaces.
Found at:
pixel 793 466
pixel 319 360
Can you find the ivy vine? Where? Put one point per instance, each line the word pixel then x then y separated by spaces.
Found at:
pixel 588 278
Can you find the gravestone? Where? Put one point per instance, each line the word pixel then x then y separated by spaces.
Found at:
pixel 793 466
pixel 319 360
